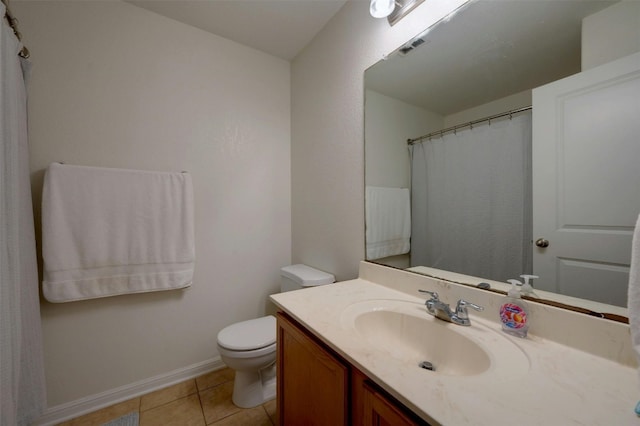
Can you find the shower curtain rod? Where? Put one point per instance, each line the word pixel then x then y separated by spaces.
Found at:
pixel 469 124
pixel 13 23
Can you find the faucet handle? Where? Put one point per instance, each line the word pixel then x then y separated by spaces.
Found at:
pixel 461 308
pixel 433 294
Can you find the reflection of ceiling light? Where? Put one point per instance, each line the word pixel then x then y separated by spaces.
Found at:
pixel 381 8
pixel 392 10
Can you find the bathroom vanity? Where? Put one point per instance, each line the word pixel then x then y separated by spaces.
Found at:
pixel 349 353
pixel 339 393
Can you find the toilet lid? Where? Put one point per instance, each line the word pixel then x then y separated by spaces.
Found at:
pixel 249 335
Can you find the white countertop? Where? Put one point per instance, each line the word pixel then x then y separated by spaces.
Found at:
pixel 562 386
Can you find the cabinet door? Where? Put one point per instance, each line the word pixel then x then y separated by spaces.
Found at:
pixel 379 411
pixel 312 383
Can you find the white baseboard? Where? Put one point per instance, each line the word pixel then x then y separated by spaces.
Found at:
pixel 79 407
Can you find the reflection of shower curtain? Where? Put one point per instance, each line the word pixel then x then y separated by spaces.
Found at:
pixel 21 365
pixel 471 200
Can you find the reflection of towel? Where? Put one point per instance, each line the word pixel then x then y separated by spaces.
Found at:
pixel 110 231
pixel 633 301
pixel 388 221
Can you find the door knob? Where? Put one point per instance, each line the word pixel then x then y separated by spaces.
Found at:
pixel 541 242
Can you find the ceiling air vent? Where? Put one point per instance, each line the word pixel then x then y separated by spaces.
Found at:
pixel 411 45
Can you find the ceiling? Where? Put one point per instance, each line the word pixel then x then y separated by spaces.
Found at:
pixel 278 27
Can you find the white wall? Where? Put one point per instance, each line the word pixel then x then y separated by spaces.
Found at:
pixel 327 131
pixel 389 123
pixel 611 34
pixel 117 86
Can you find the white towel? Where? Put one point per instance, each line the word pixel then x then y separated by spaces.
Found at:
pixel 388 221
pixel 633 300
pixel 107 232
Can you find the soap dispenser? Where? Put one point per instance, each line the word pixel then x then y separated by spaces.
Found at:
pixel 514 312
pixel 527 287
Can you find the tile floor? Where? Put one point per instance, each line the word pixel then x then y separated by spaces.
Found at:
pixel 205 400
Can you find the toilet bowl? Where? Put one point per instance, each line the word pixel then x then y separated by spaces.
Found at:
pixel 249 347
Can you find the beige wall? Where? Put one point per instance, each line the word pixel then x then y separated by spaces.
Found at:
pixel 327 131
pixel 117 86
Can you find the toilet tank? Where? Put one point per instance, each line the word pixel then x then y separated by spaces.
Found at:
pixel 299 276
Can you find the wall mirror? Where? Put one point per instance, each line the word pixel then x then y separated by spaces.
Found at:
pixel 457 178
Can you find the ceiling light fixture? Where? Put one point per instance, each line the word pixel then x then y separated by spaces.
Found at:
pixel 381 8
pixel 392 10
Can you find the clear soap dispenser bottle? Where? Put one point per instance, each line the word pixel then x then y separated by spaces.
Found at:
pixel 514 312
pixel 527 287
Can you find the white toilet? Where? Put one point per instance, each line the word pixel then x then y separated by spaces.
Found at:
pixel 249 347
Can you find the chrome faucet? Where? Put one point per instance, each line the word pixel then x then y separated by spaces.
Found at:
pixel 439 309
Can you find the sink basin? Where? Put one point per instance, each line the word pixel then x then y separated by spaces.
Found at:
pixel 404 331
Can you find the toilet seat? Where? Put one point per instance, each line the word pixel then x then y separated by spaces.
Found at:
pixel 249 336
pixel 255 353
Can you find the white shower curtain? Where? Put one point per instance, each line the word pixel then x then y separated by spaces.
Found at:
pixel 22 395
pixel 471 200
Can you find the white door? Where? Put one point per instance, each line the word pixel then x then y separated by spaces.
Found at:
pixel 586 180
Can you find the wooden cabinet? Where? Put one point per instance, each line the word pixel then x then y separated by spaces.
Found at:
pixel 372 406
pixel 312 383
pixel 318 387
pixel 380 411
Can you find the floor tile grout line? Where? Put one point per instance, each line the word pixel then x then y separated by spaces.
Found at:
pixel 197 391
pixel 267 413
pixel 168 402
pixel 212 386
pixel 204 418
pixel 224 417
pixel 195 387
